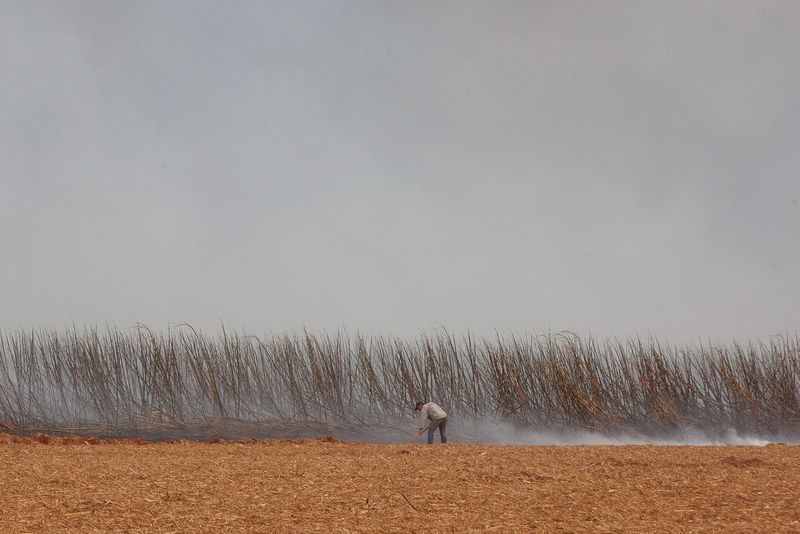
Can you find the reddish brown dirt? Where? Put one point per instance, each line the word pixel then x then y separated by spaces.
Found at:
pixel 325 486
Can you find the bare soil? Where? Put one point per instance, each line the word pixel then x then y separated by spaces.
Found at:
pixel 84 485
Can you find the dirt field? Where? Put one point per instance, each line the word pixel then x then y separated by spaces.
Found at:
pixel 326 486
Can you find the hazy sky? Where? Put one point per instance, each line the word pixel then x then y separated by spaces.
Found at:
pixel 603 167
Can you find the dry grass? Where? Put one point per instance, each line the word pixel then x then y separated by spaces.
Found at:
pixel 323 486
pixel 128 382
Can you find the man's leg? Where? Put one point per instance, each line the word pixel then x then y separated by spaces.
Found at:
pixel 432 430
pixel 442 425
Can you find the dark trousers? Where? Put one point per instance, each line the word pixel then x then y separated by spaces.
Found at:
pixel 440 424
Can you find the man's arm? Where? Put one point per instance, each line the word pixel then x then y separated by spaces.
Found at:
pixel 423 418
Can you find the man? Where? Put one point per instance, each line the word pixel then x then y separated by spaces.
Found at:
pixel 432 415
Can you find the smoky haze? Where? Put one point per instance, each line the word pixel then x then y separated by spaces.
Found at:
pixel 609 168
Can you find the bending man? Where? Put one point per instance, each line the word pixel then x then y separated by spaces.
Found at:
pixel 432 414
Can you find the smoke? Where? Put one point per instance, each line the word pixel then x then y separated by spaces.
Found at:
pixel 500 433
pixel 402 431
pixel 554 165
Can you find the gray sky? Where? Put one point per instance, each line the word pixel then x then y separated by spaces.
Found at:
pixel 603 167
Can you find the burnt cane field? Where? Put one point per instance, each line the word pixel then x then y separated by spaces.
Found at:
pixel 553 388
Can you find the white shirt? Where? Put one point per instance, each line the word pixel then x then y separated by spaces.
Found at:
pixel 430 410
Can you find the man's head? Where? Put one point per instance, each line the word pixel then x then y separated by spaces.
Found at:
pixel 419 406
